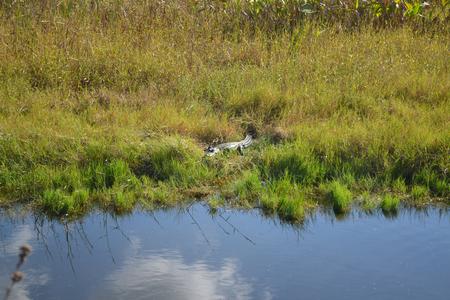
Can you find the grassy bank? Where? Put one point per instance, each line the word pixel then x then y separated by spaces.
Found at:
pixel 109 104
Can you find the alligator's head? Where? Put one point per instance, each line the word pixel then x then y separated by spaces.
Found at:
pixel 210 151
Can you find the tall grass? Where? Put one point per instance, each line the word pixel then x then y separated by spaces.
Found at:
pixel 113 101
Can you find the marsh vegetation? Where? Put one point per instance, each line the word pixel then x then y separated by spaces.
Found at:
pixel 110 103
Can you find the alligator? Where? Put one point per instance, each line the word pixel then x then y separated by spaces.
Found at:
pixel 239 146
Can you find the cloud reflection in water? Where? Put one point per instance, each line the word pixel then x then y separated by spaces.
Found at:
pixel 169 276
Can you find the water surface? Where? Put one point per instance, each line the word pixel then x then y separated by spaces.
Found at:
pixel 233 255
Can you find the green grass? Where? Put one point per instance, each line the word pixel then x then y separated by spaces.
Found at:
pixel 390 204
pixel 285 198
pixel 123 201
pixel 295 159
pixel 419 192
pixel 110 106
pixel 215 202
pixel 340 196
pixel 248 188
pixel 368 202
pixel 399 186
pixel 57 203
pixel 436 185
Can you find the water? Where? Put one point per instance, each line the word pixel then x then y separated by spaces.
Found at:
pixel 233 255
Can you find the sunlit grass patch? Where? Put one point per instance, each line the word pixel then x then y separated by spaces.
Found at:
pixel 275 189
pixel 291 208
pixel 390 204
pixel 57 203
pixel 284 198
pixel 340 196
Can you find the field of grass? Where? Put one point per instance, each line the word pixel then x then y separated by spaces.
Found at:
pixel 110 103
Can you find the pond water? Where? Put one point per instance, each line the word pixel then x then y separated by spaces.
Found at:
pixel 191 254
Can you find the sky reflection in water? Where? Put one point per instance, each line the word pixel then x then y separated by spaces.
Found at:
pixel 234 255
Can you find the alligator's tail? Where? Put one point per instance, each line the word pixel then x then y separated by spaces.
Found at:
pixel 247 141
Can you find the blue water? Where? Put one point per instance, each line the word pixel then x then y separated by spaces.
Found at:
pixel 233 255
